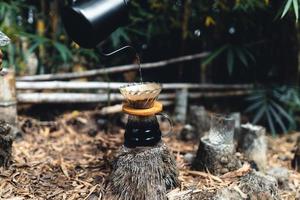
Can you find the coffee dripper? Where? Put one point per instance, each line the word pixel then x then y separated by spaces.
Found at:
pixel 142 107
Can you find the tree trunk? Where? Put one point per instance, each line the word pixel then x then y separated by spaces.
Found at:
pixel 184 32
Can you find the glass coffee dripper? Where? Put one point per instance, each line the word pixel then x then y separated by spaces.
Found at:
pixel 141 104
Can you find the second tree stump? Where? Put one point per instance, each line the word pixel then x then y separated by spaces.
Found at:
pixel 216 152
pixel 217 159
pixel 296 159
pixel 6 140
pixel 252 143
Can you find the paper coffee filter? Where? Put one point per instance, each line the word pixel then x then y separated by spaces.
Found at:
pixel 4 40
pixel 141 91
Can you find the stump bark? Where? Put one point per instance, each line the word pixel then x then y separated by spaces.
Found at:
pixel 217 159
pixel 296 159
pixel 6 140
pixel 143 173
pixel 258 186
pixel 253 186
pixel 252 143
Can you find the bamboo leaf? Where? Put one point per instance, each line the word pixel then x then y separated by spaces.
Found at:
pixel 287 6
pixel 259 114
pixel 63 51
pixel 33 47
pixel 242 57
pixel 257 95
pixel 230 60
pixel 214 54
pixel 277 93
pixel 254 106
pixel 282 112
pixel 270 122
pixel 296 9
pixel 250 55
pixel 278 119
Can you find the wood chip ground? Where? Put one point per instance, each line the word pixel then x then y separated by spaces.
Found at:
pixel 55 160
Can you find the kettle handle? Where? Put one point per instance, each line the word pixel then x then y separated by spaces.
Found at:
pixel 102 54
pixel 116 51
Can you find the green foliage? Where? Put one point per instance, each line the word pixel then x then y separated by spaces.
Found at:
pixel 61 49
pixel 8 24
pixel 118 36
pixel 291 4
pixel 275 106
pixel 52 49
pixel 250 5
pixel 233 53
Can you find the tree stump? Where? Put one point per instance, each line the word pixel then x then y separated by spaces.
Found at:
pixel 8 102
pixel 282 176
pixel 296 159
pixel 198 123
pixel 227 194
pixel 217 159
pixel 253 186
pixel 143 173
pixel 6 140
pixel 188 133
pixel 258 186
pixel 253 144
pixel 216 152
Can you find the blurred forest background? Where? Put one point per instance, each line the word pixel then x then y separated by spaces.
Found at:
pixel 250 42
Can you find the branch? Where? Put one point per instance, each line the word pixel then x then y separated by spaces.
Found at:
pixel 117 69
pixel 55 85
pixel 114 97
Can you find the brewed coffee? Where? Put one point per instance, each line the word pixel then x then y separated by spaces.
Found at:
pixel 142 131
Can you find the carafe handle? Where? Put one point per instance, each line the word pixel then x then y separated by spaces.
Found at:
pixel 167 117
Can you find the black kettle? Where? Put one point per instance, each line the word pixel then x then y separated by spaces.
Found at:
pixel 89 22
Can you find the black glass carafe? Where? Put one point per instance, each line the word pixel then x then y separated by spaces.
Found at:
pixel 142 131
